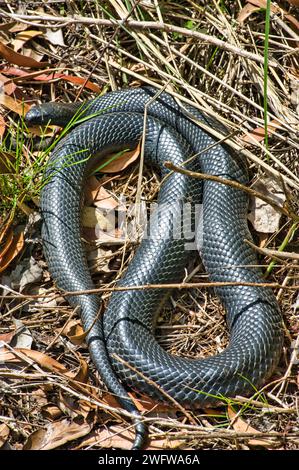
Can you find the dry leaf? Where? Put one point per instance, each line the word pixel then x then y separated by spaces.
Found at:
pixel 114 237
pixel 6 228
pixel 58 433
pixel 99 259
pixel 258 134
pixel 55 36
pixel 120 161
pixel 51 412
pixel 22 338
pixel 81 375
pixel 14 105
pixel 2 128
pixel 246 11
pixel 19 59
pixel 240 425
pixel 33 273
pixel 11 250
pixel 7 337
pixel 43 77
pixel 5 247
pixel 4 433
pixel 13 27
pixel 97 195
pixel 41 359
pixel 49 301
pixel 23 36
pixel 7 86
pixel 277 9
pixel 73 329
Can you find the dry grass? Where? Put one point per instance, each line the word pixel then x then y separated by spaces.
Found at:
pixel 231 87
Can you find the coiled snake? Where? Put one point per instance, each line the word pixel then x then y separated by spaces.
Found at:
pixel 126 330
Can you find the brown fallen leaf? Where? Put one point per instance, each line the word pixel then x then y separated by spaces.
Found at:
pixel 14 105
pixel 239 425
pixel 81 374
pixel 246 11
pixel 73 330
pixel 58 433
pixel 4 433
pixel 2 126
pixel 50 77
pixel 5 228
pixel 6 244
pixel 51 412
pixel 7 337
pixel 24 36
pixel 73 407
pixel 93 216
pixel 97 195
pixel 19 59
pixel 13 27
pixel 14 247
pixel 258 134
pixel 7 85
pixel 114 237
pixel 276 9
pixel 120 161
pixel 99 259
pixel 142 403
pixel 40 358
pixel 79 338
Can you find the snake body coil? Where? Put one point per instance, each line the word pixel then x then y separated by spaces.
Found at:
pixel 122 342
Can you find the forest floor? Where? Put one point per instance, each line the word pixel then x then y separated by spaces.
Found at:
pixel 220 57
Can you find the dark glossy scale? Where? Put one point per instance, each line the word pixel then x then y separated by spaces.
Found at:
pixel 127 327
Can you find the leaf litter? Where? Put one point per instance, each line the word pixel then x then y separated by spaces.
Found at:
pixel 35 60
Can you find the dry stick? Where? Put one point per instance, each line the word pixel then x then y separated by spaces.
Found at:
pixel 293 360
pixel 248 154
pixel 214 77
pixel 141 164
pixel 120 25
pixel 265 406
pixel 83 388
pixel 157 386
pixel 204 435
pixel 284 126
pixel 273 253
pixel 233 184
pixel 143 25
pixel 180 286
pixel 74 311
pixel 215 133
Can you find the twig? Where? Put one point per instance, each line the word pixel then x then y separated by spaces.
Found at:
pixel 120 25
pixel 189 285
pixel 61 21
pixel 157 386
pixel 232 184
pixel 236 146
pixel 141 162
pixel 273 253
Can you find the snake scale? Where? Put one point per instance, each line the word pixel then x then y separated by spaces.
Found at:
pixel 122 342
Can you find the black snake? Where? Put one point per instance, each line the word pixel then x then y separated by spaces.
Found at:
pixel 122 343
